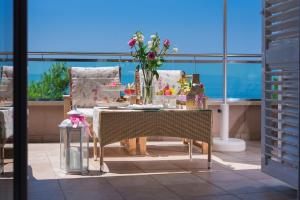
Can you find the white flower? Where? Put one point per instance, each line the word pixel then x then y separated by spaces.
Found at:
pixel 153 36
pixel 141 38
pixel 150 44
pixel 175 50
pixel 135 37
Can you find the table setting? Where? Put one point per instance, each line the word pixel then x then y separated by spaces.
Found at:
pixel 158 103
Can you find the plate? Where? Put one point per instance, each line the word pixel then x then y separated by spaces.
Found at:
pixel 145 107
pixel 113 104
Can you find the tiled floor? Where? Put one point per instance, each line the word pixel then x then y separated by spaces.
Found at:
pixel 166 173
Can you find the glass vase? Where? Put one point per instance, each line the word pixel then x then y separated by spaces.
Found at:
pixel 147 87
pixel 148 94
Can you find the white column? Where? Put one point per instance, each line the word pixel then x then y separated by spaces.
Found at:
pixel 224 143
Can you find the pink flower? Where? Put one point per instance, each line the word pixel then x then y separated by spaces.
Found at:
pixel 113 84
pixel 167 43
pixel 132 42
pixel 151 55
pixel 201 86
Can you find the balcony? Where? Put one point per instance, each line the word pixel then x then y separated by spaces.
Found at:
pixel 166 172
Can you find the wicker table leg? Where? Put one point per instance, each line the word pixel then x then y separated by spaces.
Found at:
pixel 205 148
pixel 101 149
pixel 191 149
pixel 131 146
pixel 1 160
pixel 95 140
pixel 209 156
pixel 142 145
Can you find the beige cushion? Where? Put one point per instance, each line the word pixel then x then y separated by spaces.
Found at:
pixel 6 86
pixel 87 85
pixel 170 77
pixel 6 123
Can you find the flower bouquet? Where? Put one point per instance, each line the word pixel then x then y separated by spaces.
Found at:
pixel 150 57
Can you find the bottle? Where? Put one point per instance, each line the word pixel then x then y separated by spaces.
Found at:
pixel 194 97
pixel 137 86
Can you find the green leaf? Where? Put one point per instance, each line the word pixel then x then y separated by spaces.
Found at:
pixel 155 73
pixel 53 84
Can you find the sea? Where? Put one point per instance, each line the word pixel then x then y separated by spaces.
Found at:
pixel 244 80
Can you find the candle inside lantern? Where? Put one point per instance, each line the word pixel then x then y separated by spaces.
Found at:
pixel 75 158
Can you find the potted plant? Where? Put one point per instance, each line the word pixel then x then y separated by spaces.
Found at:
pixel 53 84
pixel 150 57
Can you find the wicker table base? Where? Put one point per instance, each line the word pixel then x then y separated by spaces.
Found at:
pixel 116 125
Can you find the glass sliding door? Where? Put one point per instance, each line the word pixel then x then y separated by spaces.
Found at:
pixel 13 97
pixel 6 100
pixel 20 111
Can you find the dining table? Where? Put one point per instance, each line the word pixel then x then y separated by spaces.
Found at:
pixel 116 124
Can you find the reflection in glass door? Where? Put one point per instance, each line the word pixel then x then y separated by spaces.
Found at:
pixel 13 99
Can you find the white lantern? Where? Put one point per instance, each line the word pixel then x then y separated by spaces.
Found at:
pixel 74 146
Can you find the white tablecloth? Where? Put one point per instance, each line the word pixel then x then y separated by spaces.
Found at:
pixel 6 122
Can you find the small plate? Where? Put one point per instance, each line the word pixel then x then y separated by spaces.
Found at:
pixel 113 104
pixel 145 107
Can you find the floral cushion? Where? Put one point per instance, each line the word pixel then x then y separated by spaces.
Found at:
pixel 6 124
pixel 6 85
pixel 166 77
pixel 87 85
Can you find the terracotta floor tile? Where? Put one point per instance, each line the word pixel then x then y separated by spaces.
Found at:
pixel 177 178
pixel 147 193
pixel 84 184
pixel 166 173
pixel 213 197
pixel 156 165
pixel 243 186
pixel 264 196
pixel 221 176
pixel 132 181
pixel 91 195
pixel 195 190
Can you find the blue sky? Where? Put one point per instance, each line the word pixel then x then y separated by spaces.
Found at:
pixel 6 34
pixel 194 26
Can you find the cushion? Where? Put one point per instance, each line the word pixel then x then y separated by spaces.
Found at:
pixel 6 86
pixel 170 77
pixel 6 124
pixel 87 85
